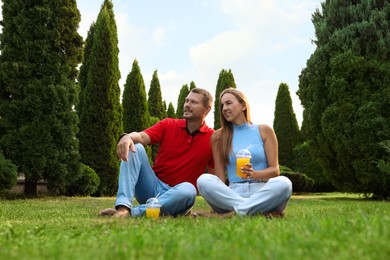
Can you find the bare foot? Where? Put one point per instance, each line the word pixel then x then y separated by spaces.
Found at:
pixel 122 212
pixel 107 212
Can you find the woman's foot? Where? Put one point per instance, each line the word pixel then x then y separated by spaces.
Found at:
pixel 274 214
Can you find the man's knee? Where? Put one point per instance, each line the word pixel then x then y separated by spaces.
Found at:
pixel 139 148
pixel 140 152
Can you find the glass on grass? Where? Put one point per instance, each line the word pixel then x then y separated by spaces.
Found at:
pixel 153 208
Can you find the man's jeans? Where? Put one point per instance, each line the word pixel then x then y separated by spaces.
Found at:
pixel 137 179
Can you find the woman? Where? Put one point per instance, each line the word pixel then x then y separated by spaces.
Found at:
pixel 262 191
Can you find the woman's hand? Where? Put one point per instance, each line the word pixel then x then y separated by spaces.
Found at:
pixel 248 170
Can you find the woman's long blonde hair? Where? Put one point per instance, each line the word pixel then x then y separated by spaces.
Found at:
pixel 223 136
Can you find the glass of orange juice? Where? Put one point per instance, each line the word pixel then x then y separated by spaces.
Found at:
pixel 152 208
pixel 243 157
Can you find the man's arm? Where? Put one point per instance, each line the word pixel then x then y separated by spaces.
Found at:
pixel 128 141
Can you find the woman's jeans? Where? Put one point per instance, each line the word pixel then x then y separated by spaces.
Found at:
pixel 245 198
pixel 137 179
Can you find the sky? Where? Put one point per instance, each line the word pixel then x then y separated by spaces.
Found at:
pixel 263 42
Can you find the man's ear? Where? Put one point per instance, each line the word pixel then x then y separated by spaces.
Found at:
pixel 208 109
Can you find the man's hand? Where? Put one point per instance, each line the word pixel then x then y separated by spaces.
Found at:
pixel 122 149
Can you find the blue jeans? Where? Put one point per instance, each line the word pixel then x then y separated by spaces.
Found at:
pixel 137 179
pixel 245 198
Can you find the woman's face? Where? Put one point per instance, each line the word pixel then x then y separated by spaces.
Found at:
pixel 232 109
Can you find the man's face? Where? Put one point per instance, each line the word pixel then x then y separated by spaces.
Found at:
pixel 193 107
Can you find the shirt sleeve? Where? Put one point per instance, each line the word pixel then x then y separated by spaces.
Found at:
pixel 156 132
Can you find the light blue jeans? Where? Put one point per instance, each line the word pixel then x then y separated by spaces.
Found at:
pixel 245 198
pixel 137 179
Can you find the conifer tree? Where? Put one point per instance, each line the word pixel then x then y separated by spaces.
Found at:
pixel 156 108
pixel 40 51
pixel 152 150
pixel 171 111
pixel 84 68
pixel 285 126
pixel 344 91
pixel 101 112
pixel 225 80
pixel 165 106
pixel 184 91
pixel 155 103
pixel 135 106
pixel 192 85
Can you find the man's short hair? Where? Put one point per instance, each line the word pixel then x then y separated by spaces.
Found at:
pixel 207 98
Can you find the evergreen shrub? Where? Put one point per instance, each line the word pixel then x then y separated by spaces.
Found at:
pixel 300 182
pixel 85 183
pixel 8 173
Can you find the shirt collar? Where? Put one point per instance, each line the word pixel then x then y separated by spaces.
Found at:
pixel 203 128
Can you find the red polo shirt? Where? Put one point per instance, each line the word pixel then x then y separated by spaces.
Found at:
pixel 181 157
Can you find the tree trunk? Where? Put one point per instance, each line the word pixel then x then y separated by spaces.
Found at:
pixel 30 187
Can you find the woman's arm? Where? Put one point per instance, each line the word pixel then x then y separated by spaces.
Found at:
pixel 271 152
pixel 219 168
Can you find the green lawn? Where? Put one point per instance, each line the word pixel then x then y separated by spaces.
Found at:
pixel 318 226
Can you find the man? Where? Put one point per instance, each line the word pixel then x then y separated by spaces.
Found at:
pixel 183 155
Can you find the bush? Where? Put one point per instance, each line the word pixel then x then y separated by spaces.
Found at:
pixel 86 182
pixel 8 173
pixel 384 171
pixel 305 163
pixel 300 182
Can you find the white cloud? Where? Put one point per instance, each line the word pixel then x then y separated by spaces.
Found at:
pixel 289 43
pixel 226 48
pixel 257 49
pixel 168 76
pixel 158 35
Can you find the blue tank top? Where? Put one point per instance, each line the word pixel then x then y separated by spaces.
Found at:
pixel 244 136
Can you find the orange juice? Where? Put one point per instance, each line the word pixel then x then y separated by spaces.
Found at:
pixel 153 212
pixel 241 163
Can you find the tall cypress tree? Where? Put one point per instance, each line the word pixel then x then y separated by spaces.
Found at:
pixel 40 52
pixel 101 117
pixel 192 85
pixel 135 106
pixel 344 91
pixel 165 106
pixel 225 80
pixel 171 111
pixel 184 91
pixel 155 103
pixel 156 108
pixel 285 126
pixel 84 68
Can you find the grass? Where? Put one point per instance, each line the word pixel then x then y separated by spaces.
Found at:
pixel 321 226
